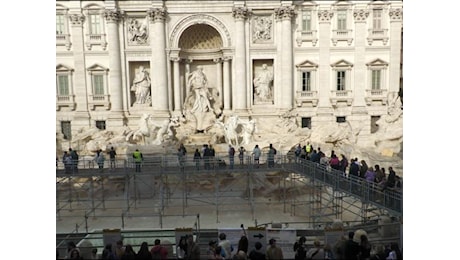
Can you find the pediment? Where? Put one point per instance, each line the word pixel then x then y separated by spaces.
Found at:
pixel 342 64
pixel 97 67
pixel 62 67
pixel 342 3
pixel 377 62
pixel 307 64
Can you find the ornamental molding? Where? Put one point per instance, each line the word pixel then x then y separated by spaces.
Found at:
pixel 360 15
pixel 112 15
pixel 240 13
pixel 285 13
pixel 157 14
pixel 325 15
pixel 212 21
pixel 76 19
pixel 395 14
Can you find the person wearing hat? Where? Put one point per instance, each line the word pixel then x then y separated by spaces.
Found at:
pixel 274 251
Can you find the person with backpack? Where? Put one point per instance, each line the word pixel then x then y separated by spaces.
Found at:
pixel 300 249
pixel 158 251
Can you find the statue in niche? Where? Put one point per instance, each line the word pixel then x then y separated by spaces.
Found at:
pixel 200 94
pixel 138 31
pixel 262 84
pixel 262 28
pixel 141 86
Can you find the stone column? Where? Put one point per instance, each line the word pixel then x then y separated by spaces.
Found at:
pixel 285 14
pixel 158 62
pixel 360 69
pixel 240 94
pixel 227 92
pixel 176 84
pixel 324 40
pixel 187 73
pixel 81 113
pixel 116 91
pixel 218 62
pixel 395 49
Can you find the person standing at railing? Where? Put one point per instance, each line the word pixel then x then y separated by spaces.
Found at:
pixel 241 154
pixel 138 158
pixel 112 155
pixel 256 152
pixel 271 156
pixel 231 155
pixel 197 159
pixel 181 158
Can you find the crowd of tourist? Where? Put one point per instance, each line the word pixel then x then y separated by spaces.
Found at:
pixel 353 167
pixel 355 246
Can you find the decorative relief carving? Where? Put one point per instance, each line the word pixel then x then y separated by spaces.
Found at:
pixel 240 13
pixel 395 14
pixel 112 16
pixel 325 15
pixel 360 15
pixel 138 31
pixel 157 14
pixel 76 19
pixel 285 12
pixel 262 28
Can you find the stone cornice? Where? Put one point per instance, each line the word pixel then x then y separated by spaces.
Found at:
pixel 157 14
pixel 395 14
pixel 240 13
pixel 360 15
pixel 76 19
pixel 112 15
pixel 325 15
pixel 285 13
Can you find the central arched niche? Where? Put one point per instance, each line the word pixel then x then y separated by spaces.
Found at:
pixel 200 37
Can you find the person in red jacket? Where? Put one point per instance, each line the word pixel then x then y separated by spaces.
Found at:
pixel 158 251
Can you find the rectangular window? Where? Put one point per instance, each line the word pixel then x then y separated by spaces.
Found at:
pixel 377 19
pixel 306 81
pixel 95 24
pixel 341 119
pixel 306 20
pixel 66 130
pixel 60 25
pixel 374 126
pixel 376 79
pixel 341 80
pixel 100 125
pixel 306 122
pixel 98 84
pixel 63 85
pixel 341 20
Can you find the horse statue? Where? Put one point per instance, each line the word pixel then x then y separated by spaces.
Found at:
pixel 164 129
pixel 231 135
pixel 142 131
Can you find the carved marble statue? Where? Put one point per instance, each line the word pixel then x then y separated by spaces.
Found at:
pixel 248 130
pixel 141 86
pixel 164 130
pixel 262 84
pixel 198 84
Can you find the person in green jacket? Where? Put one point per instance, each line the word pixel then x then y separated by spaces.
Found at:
pixel 138 159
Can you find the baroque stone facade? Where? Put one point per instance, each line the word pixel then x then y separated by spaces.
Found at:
pixel 332 65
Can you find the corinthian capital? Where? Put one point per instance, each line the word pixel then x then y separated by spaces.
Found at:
pixel 112 15
pixel 325 15
pixel 240 13
pixel 395 14
pixel 285 13
pixel 360 15
pixel 76 19
pixel 157 14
